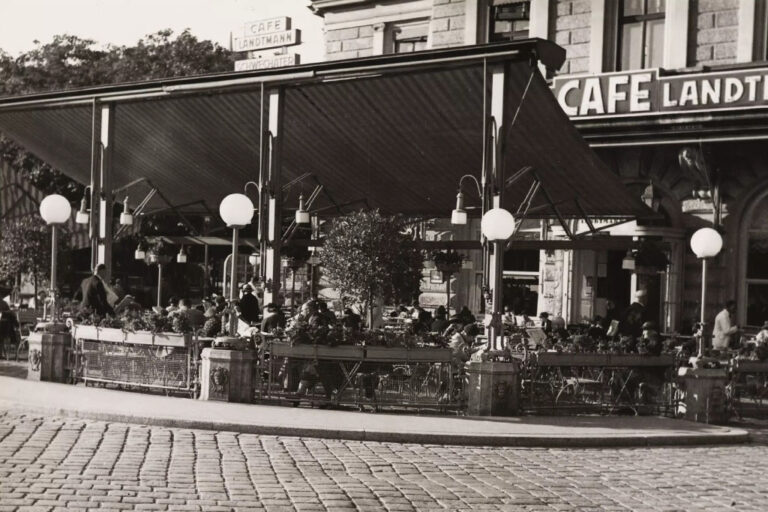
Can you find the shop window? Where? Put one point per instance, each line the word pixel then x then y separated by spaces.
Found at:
pixel 408 37
pixel 640 34
pixel 521 281
pixel 509 20
pixel 757 266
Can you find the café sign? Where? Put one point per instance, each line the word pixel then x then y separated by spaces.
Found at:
pixel 264 34
pixel 646 92
pixel 274 61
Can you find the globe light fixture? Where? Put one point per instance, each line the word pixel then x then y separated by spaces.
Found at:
pixel 302 215
pixel 55 210
pixel 705 243
pixel 497 225
pixel 182 256
pixel 126 219
pixel 236 210
pixel 254 259
pixel 459 214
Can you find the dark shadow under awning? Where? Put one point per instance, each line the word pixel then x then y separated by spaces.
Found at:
pixel 392 132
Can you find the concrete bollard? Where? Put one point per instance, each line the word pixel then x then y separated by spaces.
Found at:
pixel 705 398
pixel 494 388
pixel 227 375
pixel 49 347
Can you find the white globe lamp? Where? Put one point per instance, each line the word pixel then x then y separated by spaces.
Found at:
pixel 706 243
pixel 497 225
pixel 236 210
pixel 55 209
pixel 302 215
pixel 126 219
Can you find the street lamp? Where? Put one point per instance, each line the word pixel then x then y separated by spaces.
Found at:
pixel 83 216
pixel 126 219
pixel 54 210
pixel 706 243
pixel 302 215
pixel 236 210
pixel 497 226
pixel 182 256
pixel 139 254
pixel 459 214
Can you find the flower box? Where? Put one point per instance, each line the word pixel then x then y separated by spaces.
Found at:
pixel 170 339
pixel 405 355
pixel 342 352
pixel 747 366
pixel 616 360
pixel 91 332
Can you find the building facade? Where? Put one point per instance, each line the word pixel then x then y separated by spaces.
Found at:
pixel 672 95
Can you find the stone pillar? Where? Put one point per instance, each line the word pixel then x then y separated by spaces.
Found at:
pixel 705 399
pixel 494 388
pixel 227 375
pixel 49 347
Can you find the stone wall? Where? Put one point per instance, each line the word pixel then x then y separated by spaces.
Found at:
pixel 349 43
pixel 716 31
pixel 447 25
pixel 572 32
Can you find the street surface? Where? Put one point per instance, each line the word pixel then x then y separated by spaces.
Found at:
pixel 72 464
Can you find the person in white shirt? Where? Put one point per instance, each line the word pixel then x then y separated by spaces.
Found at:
pixel 762 336
pixel 724 328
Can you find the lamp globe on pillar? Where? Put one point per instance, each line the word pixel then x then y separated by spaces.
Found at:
pixel 706 243
pixel 497 226
pixel 459 214
pixel 54 210
pixel 236 211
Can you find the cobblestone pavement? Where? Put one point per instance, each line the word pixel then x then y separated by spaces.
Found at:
pixel 71 464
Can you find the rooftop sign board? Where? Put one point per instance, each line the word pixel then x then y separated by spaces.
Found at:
pixel 647 92
pixel 273 61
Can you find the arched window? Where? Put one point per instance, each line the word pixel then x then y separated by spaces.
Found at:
pixel 757 264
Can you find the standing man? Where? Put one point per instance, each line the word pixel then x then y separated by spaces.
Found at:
pixel 724 328
pixel 634 316
pixel 249 306
pixel 94 292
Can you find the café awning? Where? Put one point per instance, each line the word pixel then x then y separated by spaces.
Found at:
pixel 394 132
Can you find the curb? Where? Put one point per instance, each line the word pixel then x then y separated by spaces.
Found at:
pixel 734 436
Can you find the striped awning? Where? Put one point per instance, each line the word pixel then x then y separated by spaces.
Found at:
pixel 394 132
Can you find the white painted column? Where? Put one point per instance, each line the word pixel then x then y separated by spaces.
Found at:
pixel 676 35
pixel 539 24
pixel 745 42
pixel 274 232
pixel 471 16
pixel 105 187
pixel 379 29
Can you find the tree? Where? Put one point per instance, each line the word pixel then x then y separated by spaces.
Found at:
pixel 25 249
pixel 366 256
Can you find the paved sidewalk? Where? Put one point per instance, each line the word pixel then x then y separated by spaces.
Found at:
pixel 580 431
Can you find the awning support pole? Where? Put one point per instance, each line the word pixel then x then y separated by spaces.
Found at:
pixel 496 264
pixel 94 184
pixel 274 221
pixel 105 186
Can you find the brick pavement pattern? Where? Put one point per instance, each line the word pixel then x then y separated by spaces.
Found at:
pixel 71 464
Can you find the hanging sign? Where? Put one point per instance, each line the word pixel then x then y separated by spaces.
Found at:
pixel 646 91
pixel 273 61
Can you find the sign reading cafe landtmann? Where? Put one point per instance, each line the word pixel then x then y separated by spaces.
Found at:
pixel 647 92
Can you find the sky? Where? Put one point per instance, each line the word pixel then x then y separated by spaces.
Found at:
pixel 124 22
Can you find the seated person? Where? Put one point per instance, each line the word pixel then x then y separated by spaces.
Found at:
pixel 461 344
pixel 195 317
pixel 650 341
pixel 762 336
pixel 322 309
pixel 466 316
pixel 273 318
pixel 546 323
pixel 440 323
pixel 351 320
pixel 127 304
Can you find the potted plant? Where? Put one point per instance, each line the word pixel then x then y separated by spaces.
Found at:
pixel 447 262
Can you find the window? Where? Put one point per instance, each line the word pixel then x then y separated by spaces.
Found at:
pixel 521 281
pixel 509 20
pixel 640 34
pixel 757 265
pixel 407 37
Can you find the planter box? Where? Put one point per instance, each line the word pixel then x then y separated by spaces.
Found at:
pixel 745 366
pixel 91 332
pixel 400 354
pixel 618 360
pixel 342 352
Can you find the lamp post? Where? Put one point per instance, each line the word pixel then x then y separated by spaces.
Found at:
pixel 236 210
pixel 497 226
pixel 706 243
pixel 54 210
